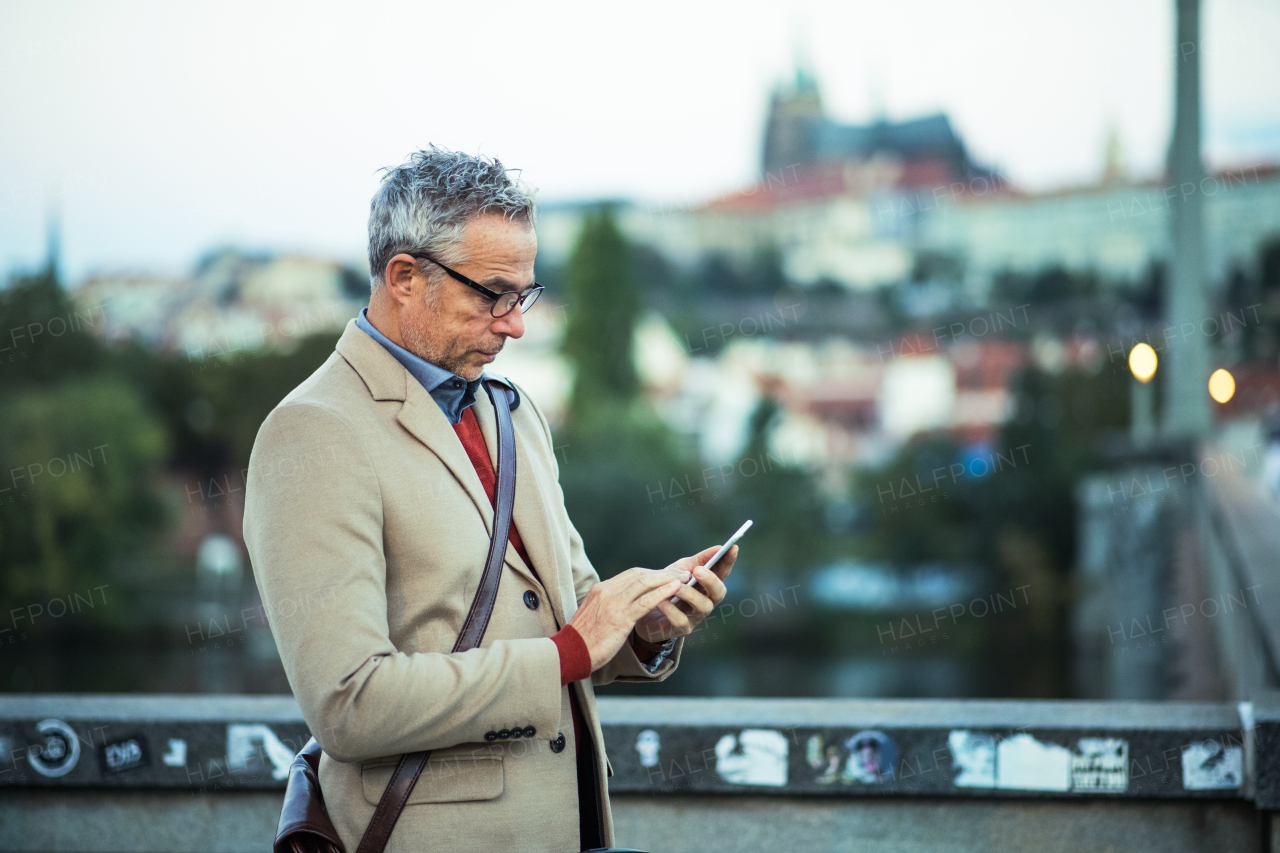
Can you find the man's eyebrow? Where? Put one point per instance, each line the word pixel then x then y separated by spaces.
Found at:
pixel 501 284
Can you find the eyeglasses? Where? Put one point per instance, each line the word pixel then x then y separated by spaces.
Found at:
pixel 504 302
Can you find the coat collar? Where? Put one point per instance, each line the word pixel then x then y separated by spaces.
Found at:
pixel 388 381
pixel 385 377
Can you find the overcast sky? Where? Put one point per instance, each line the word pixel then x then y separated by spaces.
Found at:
pixel 169 128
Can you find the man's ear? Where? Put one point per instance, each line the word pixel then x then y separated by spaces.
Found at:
pixel 401 278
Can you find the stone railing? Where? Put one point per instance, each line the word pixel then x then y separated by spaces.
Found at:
pixel 187 773
pixel 1178 578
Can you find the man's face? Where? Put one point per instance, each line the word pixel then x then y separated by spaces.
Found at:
pixel 450 325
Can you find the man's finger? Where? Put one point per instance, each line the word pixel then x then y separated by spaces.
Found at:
pixel 650 599
pixel 641 580
pixel 712 580
pixel 695 599
pixel 677 617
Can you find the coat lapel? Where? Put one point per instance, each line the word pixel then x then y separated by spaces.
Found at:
pixel 529 515
pixel 387 379
pixel 422 418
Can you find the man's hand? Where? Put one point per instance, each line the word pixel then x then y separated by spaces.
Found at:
pixel 677 619
pixel 606 617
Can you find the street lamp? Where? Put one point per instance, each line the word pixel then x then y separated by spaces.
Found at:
pixel 1222 385
pixel 1142 403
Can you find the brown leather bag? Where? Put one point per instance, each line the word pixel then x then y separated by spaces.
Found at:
pixel 305 826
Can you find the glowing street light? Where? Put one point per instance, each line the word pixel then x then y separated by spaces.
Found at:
pixel 1142 403
pixel 1222 385
pixel 1142 362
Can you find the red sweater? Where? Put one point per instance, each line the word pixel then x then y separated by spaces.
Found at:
pixel 575 659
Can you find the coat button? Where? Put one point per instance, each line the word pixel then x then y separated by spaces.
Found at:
pixel 503 734
pixel 517 732
pixel 530 731
pixel 531 600
pixel 557 745
pixel 490 736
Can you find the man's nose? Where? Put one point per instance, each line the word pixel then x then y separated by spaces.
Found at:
pixel 511 324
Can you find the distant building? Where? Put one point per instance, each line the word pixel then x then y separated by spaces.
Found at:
pixel 1116 228
pixel 232 302
pixel 861 206
pixel 798 134
pixel 823 201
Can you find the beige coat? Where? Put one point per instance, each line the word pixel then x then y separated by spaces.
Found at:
pixel 368 530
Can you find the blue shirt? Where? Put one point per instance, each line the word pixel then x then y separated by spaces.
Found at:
pixel 451 392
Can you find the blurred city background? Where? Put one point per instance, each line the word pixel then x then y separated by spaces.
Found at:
pixel 868 276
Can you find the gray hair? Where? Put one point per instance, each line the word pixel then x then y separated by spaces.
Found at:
pixel 424 204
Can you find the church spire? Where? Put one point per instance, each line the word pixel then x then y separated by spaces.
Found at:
pixel 53 236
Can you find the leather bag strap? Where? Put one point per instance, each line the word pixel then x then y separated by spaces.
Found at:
pixel 482 608
pixel 412 764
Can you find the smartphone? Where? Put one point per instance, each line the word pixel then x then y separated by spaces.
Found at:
pixel 724 549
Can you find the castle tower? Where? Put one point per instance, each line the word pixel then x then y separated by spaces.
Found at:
pixel 795 110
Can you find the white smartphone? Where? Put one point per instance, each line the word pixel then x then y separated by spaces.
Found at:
pixel 724 549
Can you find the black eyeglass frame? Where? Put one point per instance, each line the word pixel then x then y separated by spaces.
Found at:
pixel 524 298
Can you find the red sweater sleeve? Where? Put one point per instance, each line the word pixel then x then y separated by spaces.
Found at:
pixel 575 658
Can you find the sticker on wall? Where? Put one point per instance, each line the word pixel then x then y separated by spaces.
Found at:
pixel 177 754
pixel 1211 766
pixel 1100 764
pixel 974 754
pixel 246 741
pixel 813 754
pixel 647 744
pixel 753 757
pixel 57 753
pixel 824 759
pixel 1025 764
pixel 123 754
pixel 872 756
pixel 1022 763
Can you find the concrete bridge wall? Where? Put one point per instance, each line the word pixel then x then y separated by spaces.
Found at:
pixel 200 774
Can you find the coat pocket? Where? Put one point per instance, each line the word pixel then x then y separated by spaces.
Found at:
pixel 449 777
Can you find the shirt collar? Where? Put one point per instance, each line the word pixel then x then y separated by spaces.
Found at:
pixel 452 393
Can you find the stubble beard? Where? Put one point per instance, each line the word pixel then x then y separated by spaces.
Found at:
pixel 440 353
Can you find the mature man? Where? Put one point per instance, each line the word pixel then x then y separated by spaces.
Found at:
pixel 368 516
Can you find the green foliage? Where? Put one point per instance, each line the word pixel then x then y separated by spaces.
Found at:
pixel 614 450
pixel 604 304
pixel 1045 287
pixel 1018 521
pixel 635 495
pixel 761 276
pixel 789 534
pixel 1030 472
pixel 43 338
pixel 89 432
pixel 79 452
pixel 213 407
pixel 937 266
pixel 79 461
pixel 910 525
pixel 616 478
pixel 1254 295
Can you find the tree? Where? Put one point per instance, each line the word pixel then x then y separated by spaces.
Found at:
pixel 619 461
pixel 43 337
pixel 79 453
pixel 789 536
pixel 604 304
pixel 78 464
